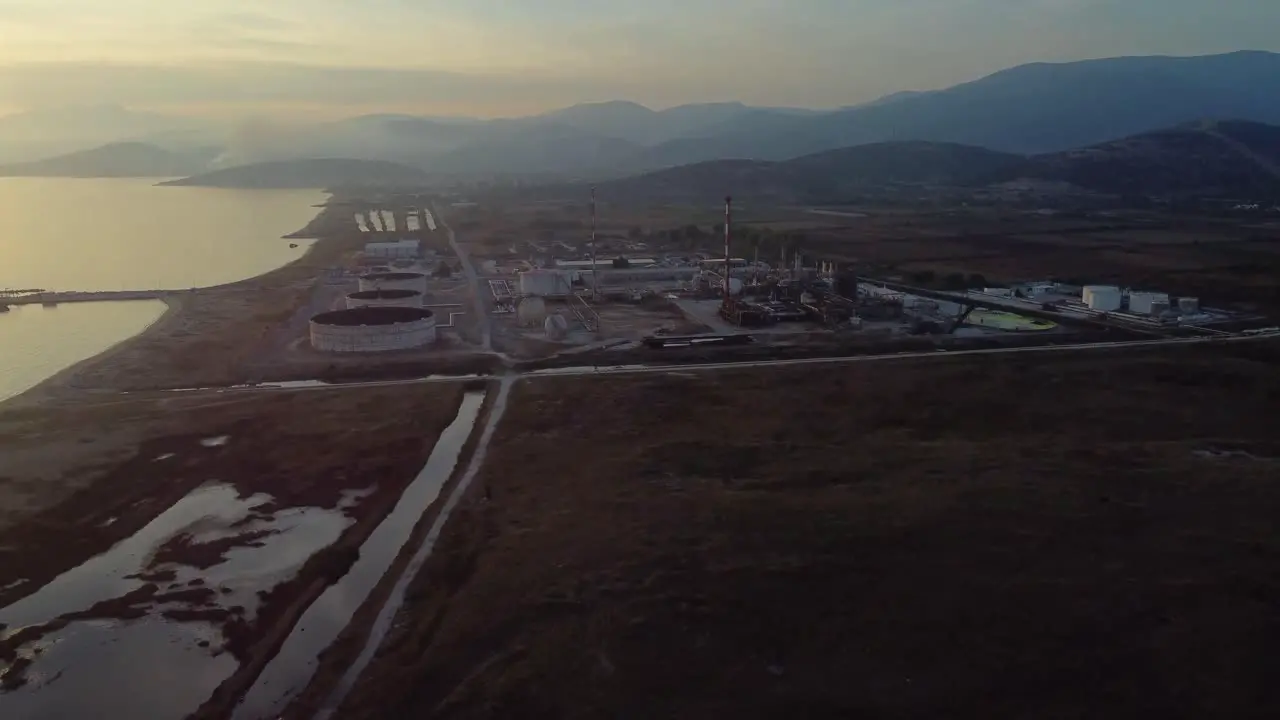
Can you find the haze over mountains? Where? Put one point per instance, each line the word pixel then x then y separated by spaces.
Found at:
pixel 1207 159
pixel 1030 109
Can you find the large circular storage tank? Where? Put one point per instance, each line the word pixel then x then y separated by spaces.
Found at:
pixel 394 281
pixel 384 298
pixel 531 311
pixel 373 329
pixel 543 283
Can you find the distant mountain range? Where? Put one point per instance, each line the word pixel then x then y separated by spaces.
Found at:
pixel 312 173
pixel 1030 109
pixel 40 134
pixel 127 159
pixel 1224 159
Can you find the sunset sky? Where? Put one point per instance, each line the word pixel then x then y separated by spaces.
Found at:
pixel 507 57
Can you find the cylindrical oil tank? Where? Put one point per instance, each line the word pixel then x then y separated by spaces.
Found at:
pixel 543 283
pixel 1142 302
pixel 1188 305
pixel 373 329
pixel 394 281
pixel 531 311
pixel 1103 298
pixel 384 298
pixel 556 327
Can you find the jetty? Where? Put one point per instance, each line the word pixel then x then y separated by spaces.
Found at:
pixel 49 297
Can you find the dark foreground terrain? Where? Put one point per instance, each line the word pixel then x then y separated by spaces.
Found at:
pixel 1039 537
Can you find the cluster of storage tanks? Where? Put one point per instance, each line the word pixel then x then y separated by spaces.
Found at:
pixel 385 313
pixel 1108 298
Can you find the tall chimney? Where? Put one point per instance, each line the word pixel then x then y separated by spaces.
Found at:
pixel 728 219
pixel 595 271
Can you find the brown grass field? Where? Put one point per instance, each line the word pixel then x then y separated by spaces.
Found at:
pixel 1048 536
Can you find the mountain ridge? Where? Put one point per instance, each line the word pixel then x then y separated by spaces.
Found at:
pixel 319 173
pixel 113 160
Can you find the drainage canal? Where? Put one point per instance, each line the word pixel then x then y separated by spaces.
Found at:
pixel 292 668
pixel 389 611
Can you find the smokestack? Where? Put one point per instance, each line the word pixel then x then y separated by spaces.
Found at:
pixel 595 271
pixel 728 220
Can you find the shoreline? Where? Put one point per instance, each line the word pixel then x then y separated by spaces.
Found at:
pixel 48 388
pixel 178 305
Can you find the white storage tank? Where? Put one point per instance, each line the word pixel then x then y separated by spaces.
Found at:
pixel 1103 298
pixel 384 298
pixel 1189 305
pixel 556 327
pixel 532 311
pixel 373 329
pixel 1143 303
pixel 544 283
pixel 394 281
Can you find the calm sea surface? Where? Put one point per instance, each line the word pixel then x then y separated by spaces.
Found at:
pixel 64 234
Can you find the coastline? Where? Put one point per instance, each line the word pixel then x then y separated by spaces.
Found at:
pixel 180 306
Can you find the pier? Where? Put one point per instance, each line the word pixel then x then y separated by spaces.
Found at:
pixel 48 297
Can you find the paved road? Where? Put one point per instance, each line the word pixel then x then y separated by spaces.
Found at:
pixel 478 307
pixel 713 367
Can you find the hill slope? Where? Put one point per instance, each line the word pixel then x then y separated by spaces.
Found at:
pixel 313 173
pixel 1231 159
pixel 1207 159
pixel 114 160
pixel 821 175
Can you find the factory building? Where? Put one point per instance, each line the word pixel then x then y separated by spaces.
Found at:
pixel 1103 298
pixel 602 263
pixel 546 283
pixel 1148 303
pixel 392 250
pixel 373 329
pixel 619 277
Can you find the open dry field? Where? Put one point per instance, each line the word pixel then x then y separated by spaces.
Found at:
pixel 1071 536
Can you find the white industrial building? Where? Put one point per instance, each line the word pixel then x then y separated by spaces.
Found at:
pixel 618 277
pixel 602 263
pixel 546 283
pixel 1103 298
pixel 373 329
pixel 392 250
pixel 1148 303
pixel 394 281
pixel 384 298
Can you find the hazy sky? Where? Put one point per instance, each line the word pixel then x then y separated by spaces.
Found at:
pixel 505 57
